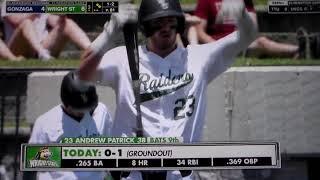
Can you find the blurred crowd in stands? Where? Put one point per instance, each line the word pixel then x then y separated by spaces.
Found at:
pixel 41 36
pixel 44 36
pixel 211 26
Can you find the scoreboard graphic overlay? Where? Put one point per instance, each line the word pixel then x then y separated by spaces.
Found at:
pixel 167 156
pixel 63 7
pixel 293 6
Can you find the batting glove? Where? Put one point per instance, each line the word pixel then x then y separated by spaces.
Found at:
pixel 235 9
pixel 127 14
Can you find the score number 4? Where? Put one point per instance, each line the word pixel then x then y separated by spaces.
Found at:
pixel 185 107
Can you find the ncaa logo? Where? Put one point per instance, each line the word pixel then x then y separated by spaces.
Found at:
pixel 163 3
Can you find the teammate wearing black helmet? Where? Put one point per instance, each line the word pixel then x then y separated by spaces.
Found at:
pixel 173 80
pixel 79 115
pixel 77 97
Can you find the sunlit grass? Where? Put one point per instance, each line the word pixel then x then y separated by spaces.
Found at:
pixel 33 63
pixel 72 63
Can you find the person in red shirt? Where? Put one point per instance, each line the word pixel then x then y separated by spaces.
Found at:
pixel 214 26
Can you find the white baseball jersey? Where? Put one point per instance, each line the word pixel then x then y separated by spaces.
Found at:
pixel 172 89
pixel 54 125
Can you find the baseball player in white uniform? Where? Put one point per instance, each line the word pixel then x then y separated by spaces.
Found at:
pixel 173 80
pixel 79 115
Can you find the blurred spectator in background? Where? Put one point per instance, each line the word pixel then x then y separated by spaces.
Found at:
pixel 214 26
pixel 190 34
pixel 5 53
pixel 61 30
pixel 40 35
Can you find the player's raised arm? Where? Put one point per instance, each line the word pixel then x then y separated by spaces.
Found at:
pixel 223 52
pixel 247 26
pixel 93 55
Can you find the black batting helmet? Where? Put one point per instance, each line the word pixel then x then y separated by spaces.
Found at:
pixel 80 96
pixel 152 9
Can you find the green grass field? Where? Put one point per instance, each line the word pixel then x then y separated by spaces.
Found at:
pixel 35 63
pixel 275 62
pixel 72 63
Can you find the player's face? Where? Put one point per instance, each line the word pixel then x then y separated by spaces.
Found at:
pixel 164 35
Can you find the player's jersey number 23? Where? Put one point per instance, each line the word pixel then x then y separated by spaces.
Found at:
pixel 184 107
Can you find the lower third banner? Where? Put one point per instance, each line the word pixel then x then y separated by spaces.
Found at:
pixel 240 155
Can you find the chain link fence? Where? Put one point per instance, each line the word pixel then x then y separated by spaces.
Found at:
pixel 13 127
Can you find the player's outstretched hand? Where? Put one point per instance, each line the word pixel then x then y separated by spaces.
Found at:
pixel 127 14
pixel 235 10
pixel 80 84
pixel 191 19
pixel 232 9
